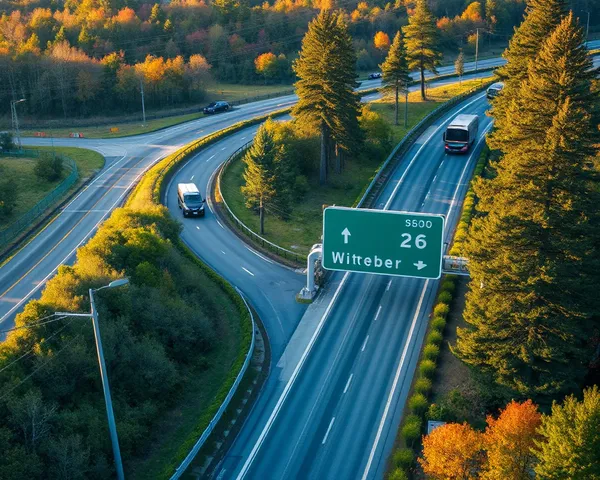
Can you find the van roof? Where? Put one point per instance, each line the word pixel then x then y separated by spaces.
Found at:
pixel 462 121
pixel 496 86
pixel 188 188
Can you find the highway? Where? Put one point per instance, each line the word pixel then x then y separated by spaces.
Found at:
pixel 328 417
pixel 309 427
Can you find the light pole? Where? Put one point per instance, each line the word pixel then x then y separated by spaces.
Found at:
pixel 112 427
pixel 406 106
pixel 587 27
pixel 143 103
pixel 15 120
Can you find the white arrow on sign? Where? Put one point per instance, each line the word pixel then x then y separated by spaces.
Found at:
pixel 420 265
pixel 346 233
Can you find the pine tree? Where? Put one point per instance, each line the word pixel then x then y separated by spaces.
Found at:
pixel 534 258
pixel 570 444
pixel 395 71
pixel 422 42
pixel 325 89
pixel 541 18
pixel 260 172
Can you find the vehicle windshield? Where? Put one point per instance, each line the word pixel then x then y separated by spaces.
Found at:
pixel 457 135
pixel 193 200
pixel 212 104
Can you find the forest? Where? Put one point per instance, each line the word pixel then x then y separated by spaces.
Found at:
pixel 80 58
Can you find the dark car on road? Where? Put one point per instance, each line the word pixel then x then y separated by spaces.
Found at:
pixel 216 107
pixel 373 76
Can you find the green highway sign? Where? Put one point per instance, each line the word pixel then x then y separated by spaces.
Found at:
pixel 383 242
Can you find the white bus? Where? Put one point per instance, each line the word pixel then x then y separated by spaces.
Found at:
pixel 461 133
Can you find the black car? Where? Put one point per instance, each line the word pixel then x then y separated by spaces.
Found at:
pixel 216 107
pixel 373 76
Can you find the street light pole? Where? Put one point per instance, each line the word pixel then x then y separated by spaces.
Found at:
pixel 406 106
pixel 143 103
pixel 587 27
pixel 112 427
pixel 15 120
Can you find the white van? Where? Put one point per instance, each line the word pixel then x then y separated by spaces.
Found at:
pixel 461 133
pixel 189 200
pixel 494 89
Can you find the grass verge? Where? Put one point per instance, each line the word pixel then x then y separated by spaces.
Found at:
pixel 31 189
pixel 304 226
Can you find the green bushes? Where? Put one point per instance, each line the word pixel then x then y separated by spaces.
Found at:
pixel 441 310
pixel 403 458
pixel 8 196
pixel 431 352
pixel 435 337
pixel 427 368
pixel 418 403
pixel 49 167
pixel 438 324
pixel 411 430
pixel 423 385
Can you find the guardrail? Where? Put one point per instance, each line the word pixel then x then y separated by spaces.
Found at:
pixel 215 420
pixel 14 229
pixel 285 253
pixel 372 190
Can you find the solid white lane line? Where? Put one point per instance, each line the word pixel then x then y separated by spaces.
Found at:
pixel 192 177
pixel 395 191
pixel 328 430
pixel 291 381
pixel 387 289
pixel 395 384
pixel 221 225
pixel 247 271
pixel 364 344
pixel 378 312
pixel 348 382
pixel 259 255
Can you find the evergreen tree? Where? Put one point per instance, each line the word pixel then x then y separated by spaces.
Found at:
pixel 541 18
pixel 534 258
pixel 570 444
pixel 395 71
pixel 325 89
pixel 260 172
pixel 422 42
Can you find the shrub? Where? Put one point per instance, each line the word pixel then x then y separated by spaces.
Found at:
pixel 6 141
pixel 418 403
pixel 403 458
pixel 301 186
pixel 445 297
pixel 427 368
pixel 441 310
pixel 48 167
pixel 411 430
pixel 8 196
pixel 423 385
pixel 398 474
pixel 431 352
pixel 438 324
pixel 434 338
pixel 435 412
pixel 448 286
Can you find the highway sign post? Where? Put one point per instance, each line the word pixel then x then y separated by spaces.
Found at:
pixel 383 242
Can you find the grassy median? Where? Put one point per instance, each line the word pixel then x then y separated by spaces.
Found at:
pixel 305 224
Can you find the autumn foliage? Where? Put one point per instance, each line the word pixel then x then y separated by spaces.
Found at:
pixel 503 452
pixel 508 441
pixel 452 452
pixel 382 41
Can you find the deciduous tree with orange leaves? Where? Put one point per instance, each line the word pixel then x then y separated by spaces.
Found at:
pixel 452 452
pixel 382 40
pixel 508 441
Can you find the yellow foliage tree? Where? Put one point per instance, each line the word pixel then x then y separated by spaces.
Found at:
pixel 382 41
